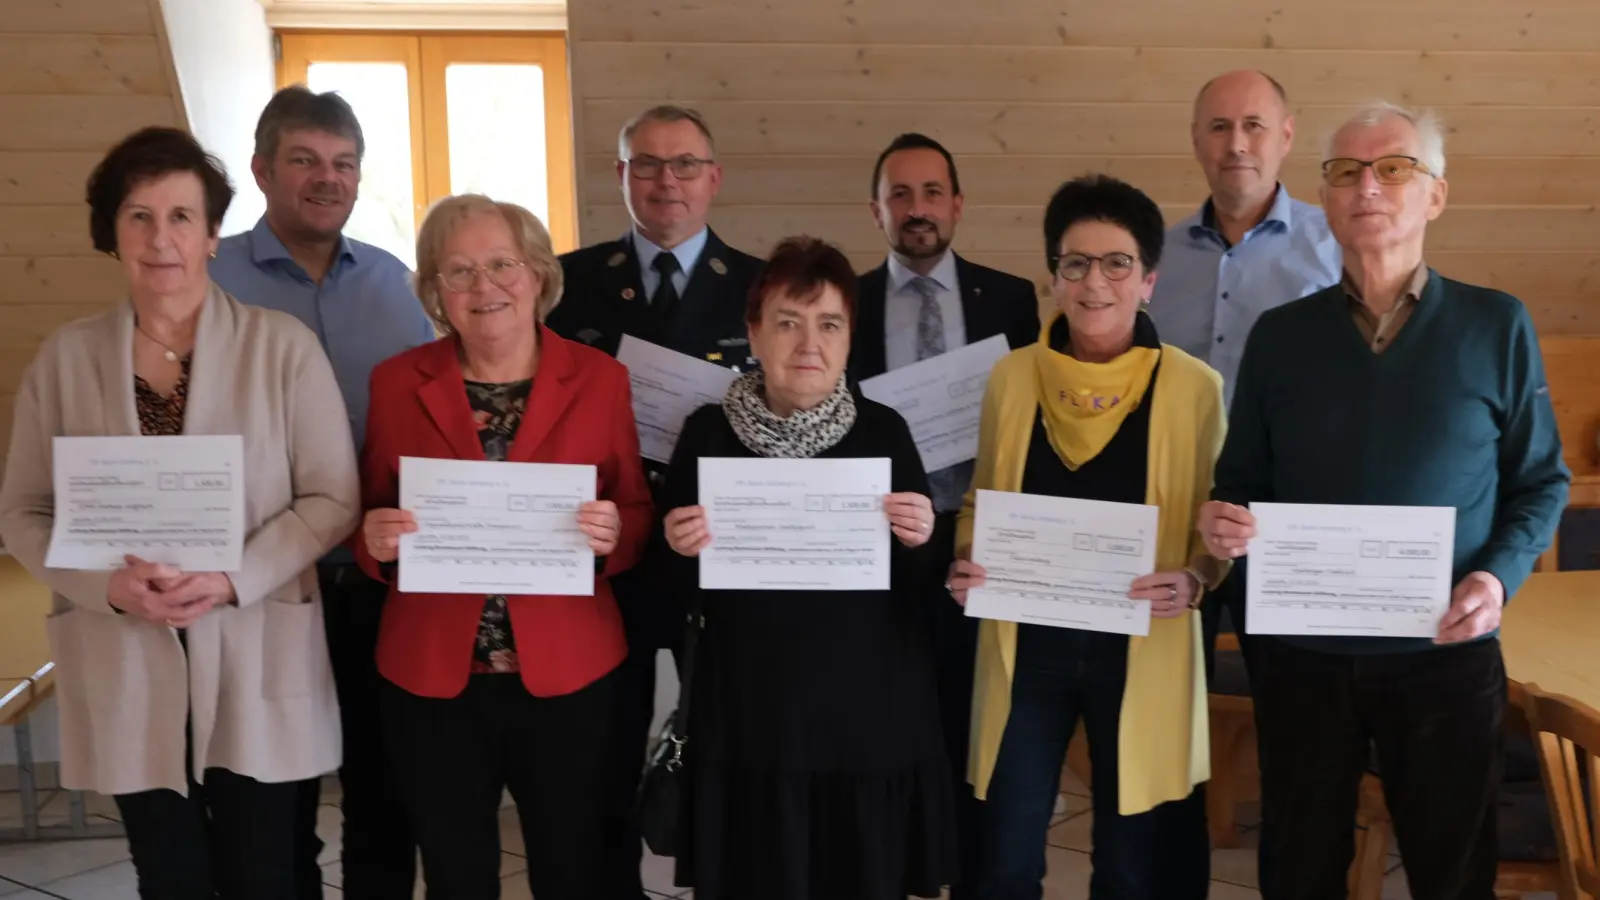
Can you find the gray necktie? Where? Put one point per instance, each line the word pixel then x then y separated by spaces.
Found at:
pixel 949 484
pixel 930 318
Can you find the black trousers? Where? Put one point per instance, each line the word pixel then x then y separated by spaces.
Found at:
pixel 1229 599
pixel 1431 719
pixel 635 707
pixel 232 838
pixel 455 757
pixel 379 852
pixel 955 649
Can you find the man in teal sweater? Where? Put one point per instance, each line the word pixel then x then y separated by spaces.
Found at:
pixel 1397 387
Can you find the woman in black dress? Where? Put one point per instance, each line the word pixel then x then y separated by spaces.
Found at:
pixel 815 757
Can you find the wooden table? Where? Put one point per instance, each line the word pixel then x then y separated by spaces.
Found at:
pixel 24 645
pixel 1551 635
pixel 27 679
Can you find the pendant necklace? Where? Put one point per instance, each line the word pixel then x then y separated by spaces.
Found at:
pixel 171 355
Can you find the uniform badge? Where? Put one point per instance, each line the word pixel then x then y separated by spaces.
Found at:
pixel 977 292
pixel 733 342
pixel 627 293
pixel 718 266
pixel 714 357
pixel 617 259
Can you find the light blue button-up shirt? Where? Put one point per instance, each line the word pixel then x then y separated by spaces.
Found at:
pixel 903 311
pixel 363 312
pixel 1209 295
pixel 688 254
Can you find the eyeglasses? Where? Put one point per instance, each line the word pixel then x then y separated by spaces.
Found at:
pixel 1344 172
pixel 684 168
pixel 1114 266
pixel 502 272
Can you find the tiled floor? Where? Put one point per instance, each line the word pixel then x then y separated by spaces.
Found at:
pixel 100 869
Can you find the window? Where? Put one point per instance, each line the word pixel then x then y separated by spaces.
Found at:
pixel 448 114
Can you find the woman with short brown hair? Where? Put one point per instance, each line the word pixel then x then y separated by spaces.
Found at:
pixel 203 702
pixel 815 753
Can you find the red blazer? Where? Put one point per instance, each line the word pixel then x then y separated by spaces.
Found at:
pixel 579 412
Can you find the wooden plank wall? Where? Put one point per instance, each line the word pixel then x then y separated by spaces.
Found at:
pixel 1027 93
pixel 75 77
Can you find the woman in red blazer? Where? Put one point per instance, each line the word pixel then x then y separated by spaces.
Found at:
pixel 488 693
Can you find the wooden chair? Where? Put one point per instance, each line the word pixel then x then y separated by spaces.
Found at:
pixel 1572 369
pixel 1235 770
pixel 1374 830
pixel 1567 734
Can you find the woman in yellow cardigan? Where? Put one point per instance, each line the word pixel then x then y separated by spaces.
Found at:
pixel 1099 409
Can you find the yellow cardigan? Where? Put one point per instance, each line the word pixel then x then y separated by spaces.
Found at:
pixel 1164 744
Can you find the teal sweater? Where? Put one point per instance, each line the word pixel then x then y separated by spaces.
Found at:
pixel 1456 412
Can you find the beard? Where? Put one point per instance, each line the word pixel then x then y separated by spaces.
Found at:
pixel 905 247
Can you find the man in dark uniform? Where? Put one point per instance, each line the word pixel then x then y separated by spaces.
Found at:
pixel 924 301
pixel 670 281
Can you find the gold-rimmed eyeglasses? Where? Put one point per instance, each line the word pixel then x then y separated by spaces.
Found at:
pixel 683 168
pixel 505 272
pixel 1344 171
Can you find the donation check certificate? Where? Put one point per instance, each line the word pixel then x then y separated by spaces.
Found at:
pixel 1062 562
pixel 495 528
pixel 667 387
pixel 1372 571
pixel 175 499
pixel 941 398
pixel 795 524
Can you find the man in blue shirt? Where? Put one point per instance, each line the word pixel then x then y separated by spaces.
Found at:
pixel 1249 248
pixel 359 301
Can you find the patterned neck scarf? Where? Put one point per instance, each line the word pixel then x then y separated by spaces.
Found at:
pixel 802 435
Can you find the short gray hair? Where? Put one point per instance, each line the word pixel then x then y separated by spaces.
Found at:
pixel 298 108
pixel 664 113
pixel 1430 131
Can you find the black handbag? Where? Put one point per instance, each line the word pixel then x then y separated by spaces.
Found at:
pixel 664 787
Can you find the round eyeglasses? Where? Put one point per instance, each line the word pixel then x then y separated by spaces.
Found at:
pixel 502 273
pixel 1344 172
pixel 1114 266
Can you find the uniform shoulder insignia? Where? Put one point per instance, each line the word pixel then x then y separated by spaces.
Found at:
pixel 718 266
pixel 714 357
pixel 616 259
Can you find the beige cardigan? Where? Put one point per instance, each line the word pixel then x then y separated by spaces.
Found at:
pixel 256 685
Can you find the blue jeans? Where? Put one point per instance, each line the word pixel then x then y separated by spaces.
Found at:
pixel 1062 674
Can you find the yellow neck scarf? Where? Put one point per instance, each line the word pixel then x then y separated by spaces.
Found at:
pixel 1084 404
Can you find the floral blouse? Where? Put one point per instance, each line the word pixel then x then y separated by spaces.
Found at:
pixel 160 415
pixel 497 410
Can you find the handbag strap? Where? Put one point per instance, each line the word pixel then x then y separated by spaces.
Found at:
pixel 693 625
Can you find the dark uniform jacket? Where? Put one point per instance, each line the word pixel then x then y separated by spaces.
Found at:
pixel 604 298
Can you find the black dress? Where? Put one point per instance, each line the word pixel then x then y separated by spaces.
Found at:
pixel 816 759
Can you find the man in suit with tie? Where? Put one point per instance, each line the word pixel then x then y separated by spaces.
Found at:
pixel 923 301
pixel 670 281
